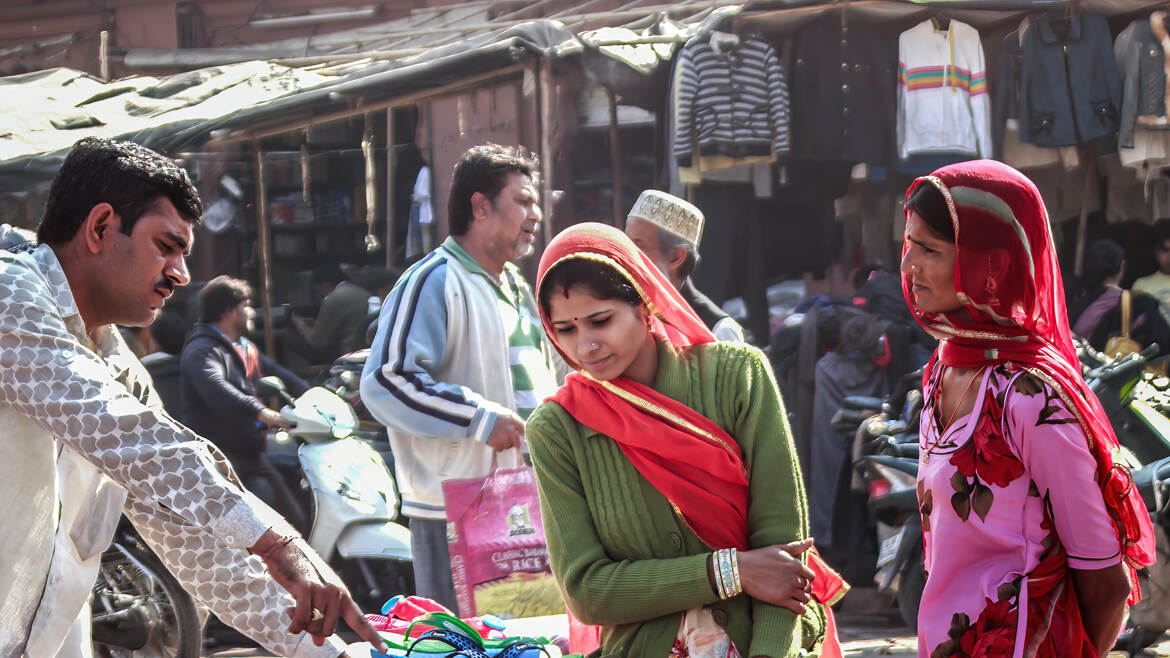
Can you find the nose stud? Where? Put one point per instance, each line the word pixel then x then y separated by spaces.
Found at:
pixel 594 346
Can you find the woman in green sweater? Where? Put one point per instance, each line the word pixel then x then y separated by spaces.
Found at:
pixel 671 494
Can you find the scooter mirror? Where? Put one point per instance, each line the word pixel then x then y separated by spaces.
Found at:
pixel 270 386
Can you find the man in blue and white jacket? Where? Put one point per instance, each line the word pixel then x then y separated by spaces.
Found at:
pixel 459 359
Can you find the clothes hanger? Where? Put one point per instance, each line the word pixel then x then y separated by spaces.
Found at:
pixel 941 20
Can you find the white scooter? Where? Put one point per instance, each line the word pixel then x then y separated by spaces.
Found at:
pixel 354 496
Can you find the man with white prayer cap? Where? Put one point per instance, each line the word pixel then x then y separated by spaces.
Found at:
pixel 668 229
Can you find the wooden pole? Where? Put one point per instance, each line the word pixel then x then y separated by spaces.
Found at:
pixel 546 152
pixel 615 159
pixel 265 255
pixel 391 165
pixel 104 55
pixel 1089 159
pixel 371 184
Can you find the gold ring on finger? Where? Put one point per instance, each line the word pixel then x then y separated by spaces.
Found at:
pixel 316 615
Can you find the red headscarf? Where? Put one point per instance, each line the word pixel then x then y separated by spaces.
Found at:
pixel 1008 280
pixel 696 465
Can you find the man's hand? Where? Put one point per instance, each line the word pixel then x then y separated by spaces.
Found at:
pixel 321 598
pixel 508 432
pixel 273 420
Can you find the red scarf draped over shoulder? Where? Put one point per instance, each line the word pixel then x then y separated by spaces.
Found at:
pixel 692 461
pixel 1009 282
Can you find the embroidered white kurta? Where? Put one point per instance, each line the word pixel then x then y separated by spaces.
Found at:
pixel 84 439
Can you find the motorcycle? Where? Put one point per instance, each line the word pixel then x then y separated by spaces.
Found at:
pixel 352 496
pixel 886 449
pixel 1150 617
pixel 1126 391
pixel 139 609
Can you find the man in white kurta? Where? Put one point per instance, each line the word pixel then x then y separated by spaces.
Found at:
pixel 85 439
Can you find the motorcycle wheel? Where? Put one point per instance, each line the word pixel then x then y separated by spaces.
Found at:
pixel 140 610
pixel 910 592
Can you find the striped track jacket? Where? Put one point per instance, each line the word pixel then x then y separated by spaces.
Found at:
pixel 438 376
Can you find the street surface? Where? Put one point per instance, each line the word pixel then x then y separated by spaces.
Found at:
pixel 862 634
pixel 867 626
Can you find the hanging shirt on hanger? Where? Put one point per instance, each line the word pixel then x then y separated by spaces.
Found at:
pixel 731 99
pixel 943 104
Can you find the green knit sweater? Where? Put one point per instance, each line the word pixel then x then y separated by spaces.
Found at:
pixel 624 561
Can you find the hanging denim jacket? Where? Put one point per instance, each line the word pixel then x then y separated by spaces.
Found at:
pixel 1071 91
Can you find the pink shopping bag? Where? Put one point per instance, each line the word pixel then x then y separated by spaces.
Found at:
pixel 499 560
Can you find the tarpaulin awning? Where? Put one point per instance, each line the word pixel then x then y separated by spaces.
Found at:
pixel 43 114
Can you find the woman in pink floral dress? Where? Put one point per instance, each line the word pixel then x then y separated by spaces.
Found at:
pixel 1031 532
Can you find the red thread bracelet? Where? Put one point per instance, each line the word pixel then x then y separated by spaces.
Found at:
pixel 279 543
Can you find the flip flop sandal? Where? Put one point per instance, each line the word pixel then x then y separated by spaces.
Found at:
pixel 462 644
pixel 519 648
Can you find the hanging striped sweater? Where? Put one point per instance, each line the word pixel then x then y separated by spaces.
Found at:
pixel 731 101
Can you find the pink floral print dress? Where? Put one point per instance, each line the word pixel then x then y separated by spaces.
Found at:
pixel 1006 494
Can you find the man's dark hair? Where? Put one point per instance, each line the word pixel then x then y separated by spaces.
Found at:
pixel 170 332
pixel 602 281
pixel 1103 259
pixel 931 206
pixel 220 295
pixel 129 177
pixel 1161 232
pixel 326 273
pixel 485 169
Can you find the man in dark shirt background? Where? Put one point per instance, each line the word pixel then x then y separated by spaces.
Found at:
pixel 220 369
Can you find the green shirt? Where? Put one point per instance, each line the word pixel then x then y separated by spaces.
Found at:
pixel 624 560
pixel 532 380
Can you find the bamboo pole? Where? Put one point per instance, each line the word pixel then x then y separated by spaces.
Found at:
pixel 104 55
pixel 391 166
pixel 370 184
pixel 546 152
pixel 1089 159
pixel 615 159
pixel 265 255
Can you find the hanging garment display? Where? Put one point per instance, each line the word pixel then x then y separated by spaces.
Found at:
pixel 1144 65
pixel 756 170
pixel 1005 112
pixel 942 91
pixel 1009 72
pixel 846 74
pixel 1071 90
pixel 420 232
pixel 731 99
